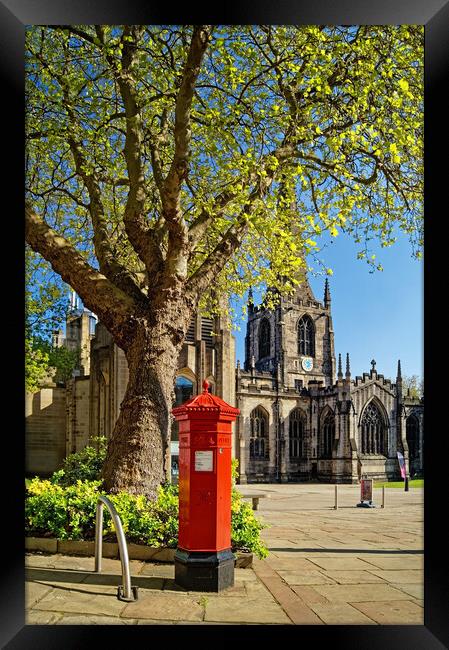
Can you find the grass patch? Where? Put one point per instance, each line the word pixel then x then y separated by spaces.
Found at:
pixel 414 483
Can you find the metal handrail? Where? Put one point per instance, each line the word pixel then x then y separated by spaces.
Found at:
pixel 125 592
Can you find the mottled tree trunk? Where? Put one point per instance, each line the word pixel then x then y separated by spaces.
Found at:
pixel 136 451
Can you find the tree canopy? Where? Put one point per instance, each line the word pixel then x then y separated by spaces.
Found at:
pixel 413 386
pixel 220 154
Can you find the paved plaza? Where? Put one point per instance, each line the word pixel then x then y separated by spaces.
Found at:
pixel 350 566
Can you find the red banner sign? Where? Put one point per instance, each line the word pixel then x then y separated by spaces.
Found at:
pixel 366 489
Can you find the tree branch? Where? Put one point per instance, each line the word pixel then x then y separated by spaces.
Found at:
pixel 179 167
pixel 202 278
pixel 178 239
pixel 138 231
pixel 199 226
pixel 113 306
pixel 230 242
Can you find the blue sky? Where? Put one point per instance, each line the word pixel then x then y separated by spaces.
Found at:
pixel 376 315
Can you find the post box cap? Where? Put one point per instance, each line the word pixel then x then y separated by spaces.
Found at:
pixel 206 402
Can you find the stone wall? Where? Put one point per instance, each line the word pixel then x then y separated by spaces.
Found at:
pixel 77 414
pixel 45 430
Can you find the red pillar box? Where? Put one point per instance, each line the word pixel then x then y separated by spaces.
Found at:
pixel 204 560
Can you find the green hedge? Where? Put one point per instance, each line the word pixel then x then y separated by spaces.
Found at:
pixel 68 512
pixel 65 507
pixel 84 465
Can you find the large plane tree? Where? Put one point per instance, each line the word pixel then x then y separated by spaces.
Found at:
pixel 167 166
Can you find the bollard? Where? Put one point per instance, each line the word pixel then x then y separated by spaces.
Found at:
pixel 336 498
pixel 383 497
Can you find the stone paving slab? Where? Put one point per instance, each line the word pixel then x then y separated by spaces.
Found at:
pixel 256 589
pixel 393 612
pixel 142 582
pixel 306 552
pixel 153 621
pixel 51 575
pixel 237 591
pixel 245 575
pixel 76 563
pixel 38 560
pixel 244 610
pixel 335 613
pixel 308 594
pixel 361 593
pixel 143 621
pixel 162 570
pixel 290 564
pixel 80 602
pixel 165 606
pixel 341 563
pixel 414 590
pixel 34 591
pixel 353 577
pixel 78 619
pixel 305 578
pixel 391 563
pixel 398 576
pixel 295 608
pixel 34 617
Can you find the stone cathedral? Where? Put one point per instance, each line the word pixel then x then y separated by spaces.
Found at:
pixel 301 418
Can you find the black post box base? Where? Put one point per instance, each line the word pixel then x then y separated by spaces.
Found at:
pixel 204 570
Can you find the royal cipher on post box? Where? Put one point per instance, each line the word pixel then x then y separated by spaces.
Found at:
pixel 204 560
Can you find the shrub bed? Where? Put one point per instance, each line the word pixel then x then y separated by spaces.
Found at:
pixel 64 507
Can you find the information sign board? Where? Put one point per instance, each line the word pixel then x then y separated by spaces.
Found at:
pixel 204 461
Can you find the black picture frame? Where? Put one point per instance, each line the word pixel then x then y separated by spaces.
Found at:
pixel 434 15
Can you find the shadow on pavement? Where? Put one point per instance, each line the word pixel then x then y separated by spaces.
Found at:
pixel 85 577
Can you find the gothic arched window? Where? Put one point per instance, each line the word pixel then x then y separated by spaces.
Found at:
pixel 296 425
pixel 373 431
pixel 306 337
pixel 412 434
pixel 264 339
pixel 327 436
pixel 258 441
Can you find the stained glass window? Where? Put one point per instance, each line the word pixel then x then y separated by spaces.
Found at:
pixel 373 431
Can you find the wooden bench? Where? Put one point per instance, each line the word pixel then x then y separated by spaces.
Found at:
pixel 255 498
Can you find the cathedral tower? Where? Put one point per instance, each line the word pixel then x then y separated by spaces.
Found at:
pixel 298 336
